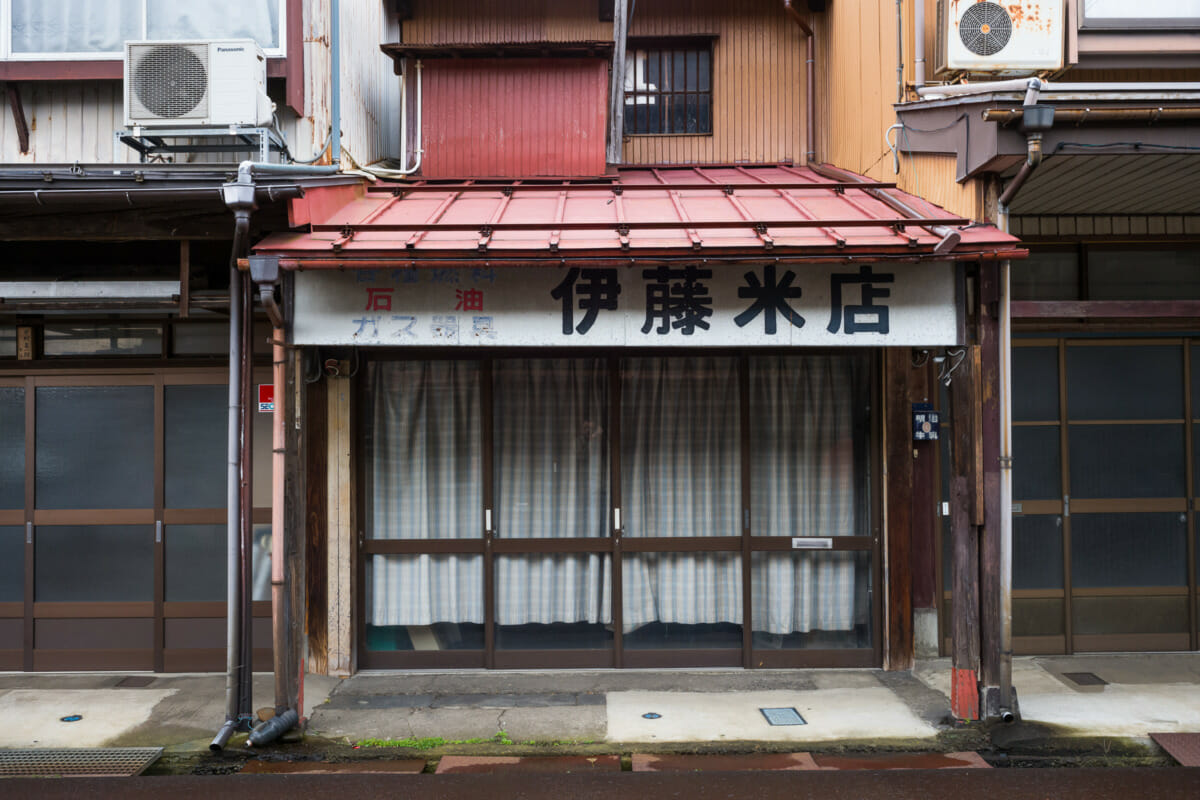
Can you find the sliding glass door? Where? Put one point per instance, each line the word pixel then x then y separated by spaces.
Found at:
pixel 640 511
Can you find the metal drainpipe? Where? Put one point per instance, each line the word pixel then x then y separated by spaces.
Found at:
pixel 918 43
pixel 239 198
pixel 810 80
pixel 335 81
pixel 1008 705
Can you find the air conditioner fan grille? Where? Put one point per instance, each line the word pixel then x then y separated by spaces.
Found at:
pixel 985 29
pixel 171 81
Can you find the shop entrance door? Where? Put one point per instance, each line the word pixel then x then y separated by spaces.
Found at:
pixel 701 510
pixel 112 522
pixel 1105 477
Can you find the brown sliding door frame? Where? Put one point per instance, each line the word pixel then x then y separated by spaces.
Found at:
pixel 155 517
pixel 491 544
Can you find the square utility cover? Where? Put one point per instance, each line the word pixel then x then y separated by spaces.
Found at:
pixel 783 716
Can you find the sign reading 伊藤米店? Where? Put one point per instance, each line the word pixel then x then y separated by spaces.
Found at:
pixel 676 305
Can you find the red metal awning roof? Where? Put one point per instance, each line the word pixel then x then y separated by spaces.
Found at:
pixel 750 211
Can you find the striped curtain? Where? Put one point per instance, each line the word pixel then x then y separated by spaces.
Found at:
pixel 680 461
pixel 427 463
pixel 552 476
pixel 809 428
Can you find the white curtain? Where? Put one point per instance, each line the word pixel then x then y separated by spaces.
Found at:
pixel 809 425
pixel 680 461
pixel 103 26
pixel 552 473
pixel 426 484
pixel 74 26
pixel 681 467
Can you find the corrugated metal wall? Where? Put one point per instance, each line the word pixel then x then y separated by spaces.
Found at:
pixel 512 117
pixel 758 64
pixel 67 122
pixel 370 87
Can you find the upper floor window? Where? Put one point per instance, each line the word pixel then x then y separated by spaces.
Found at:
pixel 98 29
pixel 668 90
pixel 1142 14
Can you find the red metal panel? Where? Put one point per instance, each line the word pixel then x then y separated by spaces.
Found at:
pixel 514 117
pixel 764 210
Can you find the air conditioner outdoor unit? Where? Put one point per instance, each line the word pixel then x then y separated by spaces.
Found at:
pixel 1019 37
pixel 215 83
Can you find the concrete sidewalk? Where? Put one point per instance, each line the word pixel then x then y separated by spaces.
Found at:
pixel 659 710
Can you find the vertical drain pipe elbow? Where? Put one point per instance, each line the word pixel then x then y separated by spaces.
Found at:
pixel 810 135
pixel 239 198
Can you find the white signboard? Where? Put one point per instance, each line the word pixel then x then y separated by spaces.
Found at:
pixel 681 305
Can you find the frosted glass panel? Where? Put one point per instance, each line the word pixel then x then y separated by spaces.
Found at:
pixel 12 564
pixel 95 447
pixel 80 563
pixel 12 447
pixel 197 421
pixel 195 563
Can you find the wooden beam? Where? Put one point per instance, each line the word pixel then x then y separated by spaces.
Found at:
pixel 990 551
pixel 616 100
pixel 965 545
pixel 185 277
pixel 294 522
pixel 341 532
pixel 924 504
pixel 315 526
pixel 898 432
pixel 18 113
pixel 1105 309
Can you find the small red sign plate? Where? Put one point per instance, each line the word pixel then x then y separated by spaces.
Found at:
pixel 266 397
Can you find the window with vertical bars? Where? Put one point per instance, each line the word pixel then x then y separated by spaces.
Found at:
pixel 668 90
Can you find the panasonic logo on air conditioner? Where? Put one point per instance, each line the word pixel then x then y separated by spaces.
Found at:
pixel 203 83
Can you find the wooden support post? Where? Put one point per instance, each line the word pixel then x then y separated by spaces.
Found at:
pixel 924 529
pixel 616 96
pixel 294 521
pixel 897 366
pixel 990 550
pixel 185 277
pixel 341 531
pixel 316 525
pixel 964 536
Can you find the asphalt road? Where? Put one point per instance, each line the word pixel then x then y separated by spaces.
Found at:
pixel 1009 784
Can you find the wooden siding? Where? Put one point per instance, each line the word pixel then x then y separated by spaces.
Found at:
pixel 758 82
pixel 758 65
pixel 462 21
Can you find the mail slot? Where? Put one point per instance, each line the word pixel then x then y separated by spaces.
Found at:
pixel 812 543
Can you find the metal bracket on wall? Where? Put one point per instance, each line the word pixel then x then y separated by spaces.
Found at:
pixel 151 142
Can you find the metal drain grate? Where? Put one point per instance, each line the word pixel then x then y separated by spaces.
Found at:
pixel 782 716
pixel 1085 679
pixel 135 681
pixel 97 761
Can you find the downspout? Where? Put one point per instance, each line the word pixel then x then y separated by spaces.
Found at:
pixel 239 198
pixel 918 44
pixel 264 272
pixel 900 50
pixel 1035 119
pixel 335 82
pixel 810 80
